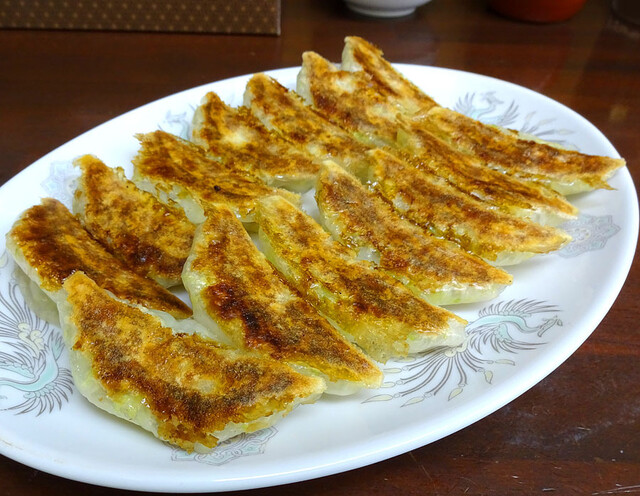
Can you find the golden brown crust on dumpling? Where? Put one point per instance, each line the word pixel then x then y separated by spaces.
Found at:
pixel 240 141
pixel 169 161
pixel 359 54
pixel 193 387
pixel 350 100
pixel 285 111
pixel 433 203
pixel 150 237
pixel 407 251
pixel 568 171
pixel 247 297
pixel 54 243
pixel 380 313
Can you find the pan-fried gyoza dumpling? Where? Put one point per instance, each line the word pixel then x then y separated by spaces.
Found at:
pixel 350 100
pixel 435 204
pixel 49 244
pixel 505 150
pixel 150 237
pixel 380 314
pixel 240 141
pixel 175 169
pixel 436 269
pixel 184 388
pixel 510 152
pixel 360 55
pixel 232 286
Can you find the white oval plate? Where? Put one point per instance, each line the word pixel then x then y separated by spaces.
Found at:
pixel 513 342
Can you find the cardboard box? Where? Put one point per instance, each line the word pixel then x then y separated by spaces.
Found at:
pixel 192 16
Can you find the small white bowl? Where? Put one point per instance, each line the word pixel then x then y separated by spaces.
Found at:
pixel 385 8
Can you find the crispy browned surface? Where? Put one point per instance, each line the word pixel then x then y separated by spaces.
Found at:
pixel 473 177
pixel 349 100
pixel 285 111
pixel 373 307
pixel 241 141
pixel 506 151
pixel 150 237
pixel 168 160
pixel 359 54
pixel 55 244
pixel 199 387
pixel 406 250
pixel 435 204
pixel 339 96
pixel 498 148
pixel 248 298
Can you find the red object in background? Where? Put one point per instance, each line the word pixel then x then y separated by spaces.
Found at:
pixel 537 10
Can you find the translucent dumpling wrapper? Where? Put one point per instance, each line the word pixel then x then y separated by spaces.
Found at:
pixel 49 244
pixel 380 314
pixel 150 237
pixel 436 269
pixel 234 289
pixel 183 388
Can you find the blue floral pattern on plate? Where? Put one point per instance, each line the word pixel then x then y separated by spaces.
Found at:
pixel 588 233
pixel 32 379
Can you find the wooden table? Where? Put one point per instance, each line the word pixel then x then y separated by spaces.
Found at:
pixel 576 432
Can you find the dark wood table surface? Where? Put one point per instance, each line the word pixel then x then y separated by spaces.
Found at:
pixel 577 431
